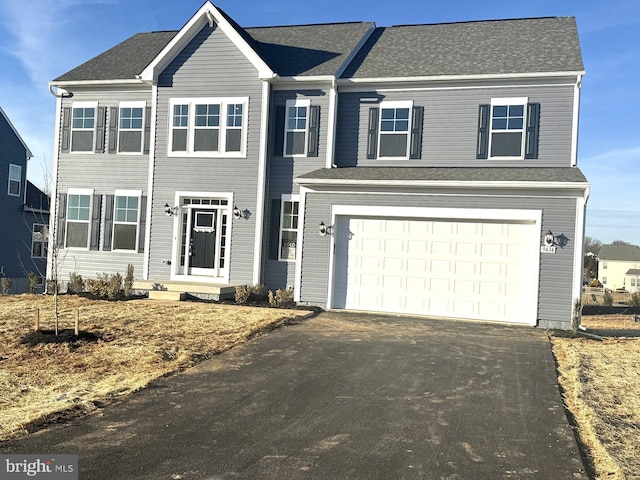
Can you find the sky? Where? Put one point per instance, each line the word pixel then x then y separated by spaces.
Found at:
pixel 42 39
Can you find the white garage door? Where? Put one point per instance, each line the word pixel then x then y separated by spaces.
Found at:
pixel 452 268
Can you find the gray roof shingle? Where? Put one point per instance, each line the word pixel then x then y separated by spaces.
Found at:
pixel 624 253
pixel 448 174
pixel 485 47
pixel 470 48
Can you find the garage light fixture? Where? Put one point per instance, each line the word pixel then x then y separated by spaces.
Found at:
pixel 170 211
pixel 324 229
pixel 238 214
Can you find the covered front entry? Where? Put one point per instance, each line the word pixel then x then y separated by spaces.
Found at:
pixel 202 250
pixel 483 269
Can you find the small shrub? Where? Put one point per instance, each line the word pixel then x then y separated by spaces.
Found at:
pixel 259 292
pixel 128 282
pixel 52 286
pixel 607 299
pixel 6 284
pixel 114 286
pixel 634 301
pixel 281 298
pixel 243 292
pixel 76 284
pixel 32 283
pixel 98 286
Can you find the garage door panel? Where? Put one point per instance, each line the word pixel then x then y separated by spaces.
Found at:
pixel 469 269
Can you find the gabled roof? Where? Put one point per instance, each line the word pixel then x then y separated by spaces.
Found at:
pixel 358 50
pixel 522 46
pixel 633 271
pixel 479 175
pixel 29 154
pixel 623 253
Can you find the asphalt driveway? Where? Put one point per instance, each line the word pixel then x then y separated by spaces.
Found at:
pixel 340 396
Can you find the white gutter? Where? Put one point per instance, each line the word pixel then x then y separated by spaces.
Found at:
pixel 433 78
pixel 86 83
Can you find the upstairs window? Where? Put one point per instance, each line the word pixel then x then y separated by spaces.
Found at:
pixel 395 131
pixel 15 180
pixel 83 123
pixel 208 127
pixel 130 133
pixel 508 129
pixel 295 141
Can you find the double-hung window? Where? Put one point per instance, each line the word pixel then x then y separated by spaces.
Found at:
pixel 131 123
pixel 508 129
pixel 394 129
pixel 289 227
pixel 39 240
pixel 78 218
pixel 208 127
pixel 126 219
pixel 83 124
pixel 295 141
pixel 15 180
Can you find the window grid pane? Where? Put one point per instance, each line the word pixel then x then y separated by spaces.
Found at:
pixel 394 120
pixel 131 118
pixel 208 115
pixel 234 115
pixel 83 118
pixel 180 115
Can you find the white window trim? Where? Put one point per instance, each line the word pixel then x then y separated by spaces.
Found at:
pixel 223 102
pixel 131 104
pixel 508 101
pixel 395 104
pixel 126 193
pixel 78 191
pixel 44 241
pixel 296 103
pixel 13 166
pixel 75 105
pixel 287 198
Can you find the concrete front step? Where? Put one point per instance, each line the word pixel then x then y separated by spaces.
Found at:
pixel 204 291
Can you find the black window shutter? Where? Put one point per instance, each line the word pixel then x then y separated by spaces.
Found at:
pixel 108 222
pixel 66 130
pixel 314 130
pixel 95 223
pixel 274 232
pixel 372 133
pixel 147 129
pixel 100 124
pixel 415 151
pixel 62 217
pixel 143 222
pixel 533 129
pixel 113 129
pixel 482 150
pixel 278 140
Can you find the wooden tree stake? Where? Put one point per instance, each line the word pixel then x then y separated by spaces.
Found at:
pixel 77 331
pixel 37 325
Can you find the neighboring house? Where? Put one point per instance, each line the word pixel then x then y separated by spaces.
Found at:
pixel 24 213
pixel 619 267
pixel 412 169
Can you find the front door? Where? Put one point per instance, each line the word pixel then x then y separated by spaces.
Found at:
pixel 203 240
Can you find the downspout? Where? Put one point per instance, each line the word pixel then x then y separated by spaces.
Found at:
pixel 150 191
pixel 60 93
pixel 332 129
pixel 262 181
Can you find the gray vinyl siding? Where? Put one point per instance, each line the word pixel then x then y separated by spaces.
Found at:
pixel 451 123
pixel 209 66
pixel 282 171
pixel 104 173
pixel 556 270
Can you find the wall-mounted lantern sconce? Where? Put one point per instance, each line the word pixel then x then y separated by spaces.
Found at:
pixel 549 239
pixel 170 211
pixel 323 229
pixel 238 214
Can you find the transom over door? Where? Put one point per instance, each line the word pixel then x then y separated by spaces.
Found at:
pixel 450 268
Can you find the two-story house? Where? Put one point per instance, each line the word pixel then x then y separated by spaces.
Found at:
pixel 24 213
pixel 424 169
pixel 619 267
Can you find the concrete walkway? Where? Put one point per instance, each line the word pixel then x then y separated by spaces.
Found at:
pixel 341 396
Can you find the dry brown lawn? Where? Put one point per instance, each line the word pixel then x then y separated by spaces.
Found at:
pixel 601 383
pixel 141 340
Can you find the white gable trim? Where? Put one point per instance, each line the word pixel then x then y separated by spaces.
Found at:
pixel 207 14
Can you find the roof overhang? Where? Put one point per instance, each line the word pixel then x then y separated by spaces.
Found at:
pixel 207 14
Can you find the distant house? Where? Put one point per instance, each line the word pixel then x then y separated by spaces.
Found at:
pixel 24 213
pixel 619 267
pixel 422 169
